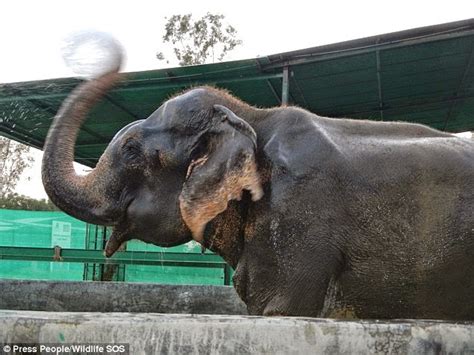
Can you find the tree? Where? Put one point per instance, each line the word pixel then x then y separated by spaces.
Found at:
pixel 197 41
pixel 13 201
pixel 14 159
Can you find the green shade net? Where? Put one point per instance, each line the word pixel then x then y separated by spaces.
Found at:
pixel 43 229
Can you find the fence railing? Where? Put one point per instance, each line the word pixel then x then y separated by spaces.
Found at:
pixel 59 255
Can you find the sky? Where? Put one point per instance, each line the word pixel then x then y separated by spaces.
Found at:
pixel 32 33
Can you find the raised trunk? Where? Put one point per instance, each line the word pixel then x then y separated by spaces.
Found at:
pixel 84 197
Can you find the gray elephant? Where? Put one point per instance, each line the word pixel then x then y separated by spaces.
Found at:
pixel 318 216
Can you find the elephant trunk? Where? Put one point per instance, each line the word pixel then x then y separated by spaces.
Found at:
pixel 84 197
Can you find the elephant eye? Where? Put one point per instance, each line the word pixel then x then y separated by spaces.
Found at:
pixel 132 149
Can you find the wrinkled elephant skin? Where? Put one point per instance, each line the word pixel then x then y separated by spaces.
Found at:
pixel 318 216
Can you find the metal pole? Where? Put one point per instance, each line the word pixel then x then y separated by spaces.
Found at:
pixel 285 87
pixel 227 275
pixel 379 83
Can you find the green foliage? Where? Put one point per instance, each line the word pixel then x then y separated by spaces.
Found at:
pixel 197 41
pixel 14 159
pixel 14 201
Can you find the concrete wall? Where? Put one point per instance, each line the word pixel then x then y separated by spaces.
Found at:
pixel 37 313
pixel 214 334
pixel 118 297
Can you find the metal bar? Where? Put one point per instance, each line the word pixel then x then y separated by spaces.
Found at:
pixel 92 146
pixel 279 75
pixel 273 91
pixel 88 268
pixel 93 134
pixel 362 83
pixel 227 275
pixel 149 85
pixel 379 83
pixel 347 72
pixel 342 53
pixel 361 96
pixel 124 258
pixel 459 88
pixel 232 72
pixel 120 106
pixel 328 109
pixel 298 88
pixel 177 84
pixel 285 87
pixel 394 37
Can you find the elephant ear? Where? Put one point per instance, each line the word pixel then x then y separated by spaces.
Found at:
pixel 224 168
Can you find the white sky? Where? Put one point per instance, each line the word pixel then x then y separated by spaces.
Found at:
pixel 31 32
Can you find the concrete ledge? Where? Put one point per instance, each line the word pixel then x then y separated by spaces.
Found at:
pixel 201 334
pixel 118 297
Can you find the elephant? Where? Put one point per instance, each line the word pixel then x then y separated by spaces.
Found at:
pixel 318 216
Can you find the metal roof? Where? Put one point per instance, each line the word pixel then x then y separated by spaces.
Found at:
pixel 421 75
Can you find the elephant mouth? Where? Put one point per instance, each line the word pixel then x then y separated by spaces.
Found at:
pixel 175 243
pixel 114 244
pixel 123 233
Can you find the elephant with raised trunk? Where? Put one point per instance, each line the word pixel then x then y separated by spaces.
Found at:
pixel 318 216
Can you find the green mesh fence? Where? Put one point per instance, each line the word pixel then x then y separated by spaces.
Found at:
pixel 41 229
pixel 170 274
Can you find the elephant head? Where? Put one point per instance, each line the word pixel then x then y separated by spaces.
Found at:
pixel 161 179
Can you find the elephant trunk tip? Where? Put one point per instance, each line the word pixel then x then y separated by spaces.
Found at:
pixel 105 54
pixel 84 197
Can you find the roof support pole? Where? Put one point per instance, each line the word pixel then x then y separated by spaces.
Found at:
pixel 285 87
pixel 459 89
pixel 379 83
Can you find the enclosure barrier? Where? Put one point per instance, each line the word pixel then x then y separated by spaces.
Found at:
pixel 37 312
pixel 218 334
pixel 58 254
pixel 80 296
pixel 45 230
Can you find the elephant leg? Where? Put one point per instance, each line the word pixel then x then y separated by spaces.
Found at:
pixel 305 297
pixel 304 291
pixel 290 278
